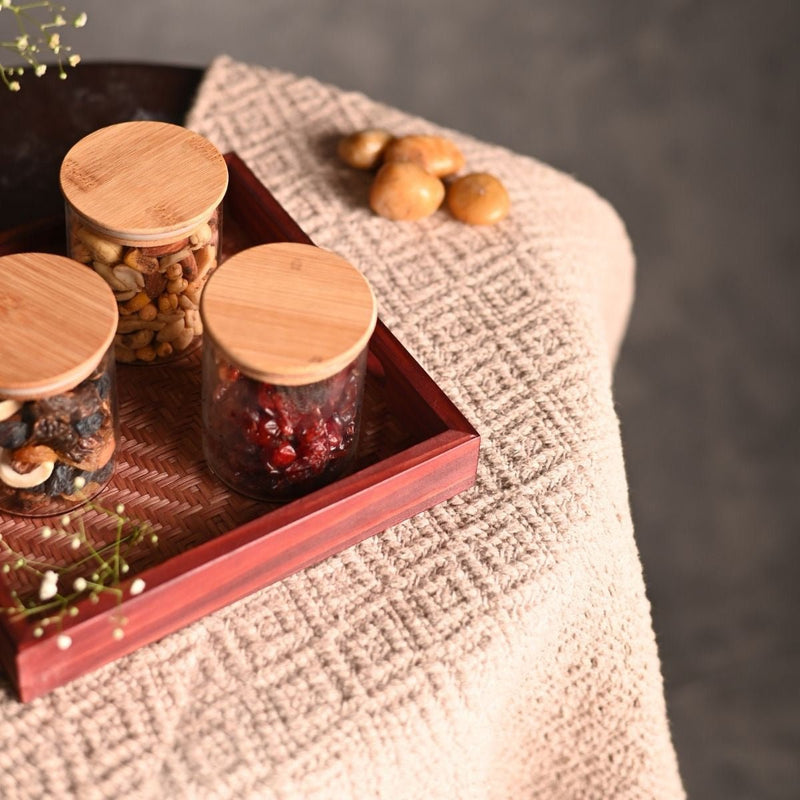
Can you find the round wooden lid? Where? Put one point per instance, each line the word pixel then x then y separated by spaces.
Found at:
pixel 143 180
pixel 57 319
pixel 287 313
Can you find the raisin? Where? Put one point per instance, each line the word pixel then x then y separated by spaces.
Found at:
pixel 101 475
pixel 103 385
pixel 13 434
pixel 55 432
pixel 61 480
pixel 87 426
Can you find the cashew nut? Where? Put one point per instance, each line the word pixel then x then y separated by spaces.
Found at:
pixel 26 480
pixel 7 408
pixel 103 250
pixel 129 277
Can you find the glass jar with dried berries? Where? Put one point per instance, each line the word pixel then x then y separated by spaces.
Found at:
pixel 284 363
pixel 58 402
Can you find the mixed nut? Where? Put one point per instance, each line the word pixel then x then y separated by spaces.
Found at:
pixel 416 173
pixel 45 444
pixel 157 287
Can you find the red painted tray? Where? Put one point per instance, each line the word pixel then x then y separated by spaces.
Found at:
pixel 215 546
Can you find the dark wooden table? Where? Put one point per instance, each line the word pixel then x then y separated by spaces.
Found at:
pixel 40 123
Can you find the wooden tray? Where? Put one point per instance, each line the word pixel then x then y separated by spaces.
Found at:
pixel 214 545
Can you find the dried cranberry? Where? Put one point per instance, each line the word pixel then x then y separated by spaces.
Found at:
pixel 334 434
pixel 282 455
pixel 266 431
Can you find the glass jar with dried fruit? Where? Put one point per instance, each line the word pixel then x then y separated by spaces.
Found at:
pixel 143 207
pixel 58 400
pixel 284 363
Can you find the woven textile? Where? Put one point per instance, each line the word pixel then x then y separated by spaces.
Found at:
pixel 496 647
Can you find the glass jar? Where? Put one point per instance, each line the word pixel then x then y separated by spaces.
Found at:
pixel 284 366
pixel 143 209
pixel 59 426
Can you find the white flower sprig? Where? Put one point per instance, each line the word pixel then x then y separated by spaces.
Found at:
pixel 34 39
pixel 96 571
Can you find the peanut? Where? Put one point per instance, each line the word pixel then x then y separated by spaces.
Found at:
pixel 167 302
pixel 478 199
pixel 136 303
pixel 435 154
pixel 147 353
pixel 123 354
pixel 164 350
pixel 404 191
pixel 132 324
pixel 173 271
pixel 140 339
pixel 364 149
pixel 148 312
pixel 177 285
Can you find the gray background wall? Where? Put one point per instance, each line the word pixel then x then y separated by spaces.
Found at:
pixel 683 113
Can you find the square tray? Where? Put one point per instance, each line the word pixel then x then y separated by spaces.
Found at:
pixel 215 546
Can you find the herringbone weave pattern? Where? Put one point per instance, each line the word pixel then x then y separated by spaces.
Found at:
pixel 497 647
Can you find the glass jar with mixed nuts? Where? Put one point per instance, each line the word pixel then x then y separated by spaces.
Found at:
pixel 58 401
pixel 284 366
pixel 143 208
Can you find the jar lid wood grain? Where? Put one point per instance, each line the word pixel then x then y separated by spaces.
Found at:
pixel 288 313
pixel 57 320
pixel 142 181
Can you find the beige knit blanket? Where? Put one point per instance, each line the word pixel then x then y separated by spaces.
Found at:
pixel 496 647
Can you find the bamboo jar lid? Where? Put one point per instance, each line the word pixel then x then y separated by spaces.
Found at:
pixel 289 314
pixel 143 181
pixel 57 320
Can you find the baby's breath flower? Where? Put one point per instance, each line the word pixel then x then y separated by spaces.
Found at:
pixel 14 86
pixel 49 585
pixel 22 42
pixel 75 543
pixel 54 42
pixel 64 642
pixel 118 633
pixel 65 520
pixel 79 584
pixel 120 508
pixel 80 20
pixel 80 481
pixel 137 587
pixel 47 532
pixel 74 60
pixel 38 632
